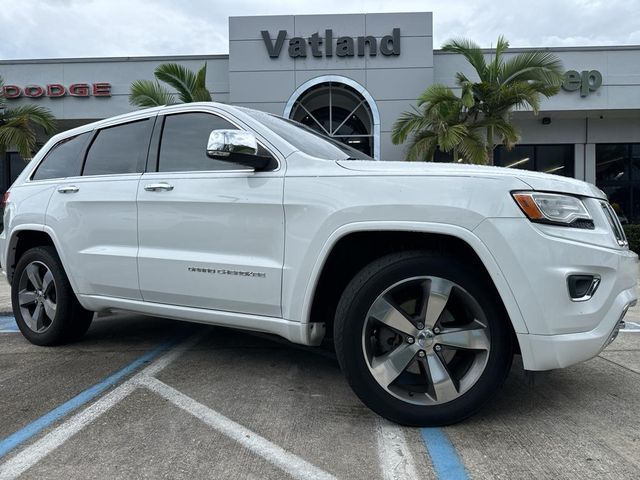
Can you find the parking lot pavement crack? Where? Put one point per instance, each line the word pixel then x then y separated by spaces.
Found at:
pixel 276 455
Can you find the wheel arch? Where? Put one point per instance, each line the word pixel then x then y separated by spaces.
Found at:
pixel 28 236
pixel 375 240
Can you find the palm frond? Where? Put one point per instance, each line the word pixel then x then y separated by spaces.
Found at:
pixel 200 91
pixel 201 77
pixel 450 136
pixel 471 51
pixel 146 93
pixel 407 123
pixel 493 68
pixel 423 147
pixel 201 95
pixel 472 148
pixel 467 89
pixel 180 78
pixel 31 115
pixel 507 133
pixel 437 93
pixel 17 134
pixel 517 95
pixel 539 66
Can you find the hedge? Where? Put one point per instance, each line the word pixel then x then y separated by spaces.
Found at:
pixel 633 235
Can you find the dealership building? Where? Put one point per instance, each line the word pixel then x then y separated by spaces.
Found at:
pixel 351 76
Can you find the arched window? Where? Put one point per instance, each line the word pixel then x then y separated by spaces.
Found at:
pixel 339 108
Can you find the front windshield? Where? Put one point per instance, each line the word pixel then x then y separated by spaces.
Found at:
pixel 305 139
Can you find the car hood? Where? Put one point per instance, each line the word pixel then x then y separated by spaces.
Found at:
pixel 536 180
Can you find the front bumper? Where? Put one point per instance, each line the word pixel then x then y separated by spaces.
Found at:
pixel 560 332
pixel 548 352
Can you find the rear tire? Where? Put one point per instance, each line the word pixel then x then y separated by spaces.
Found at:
pixel 421 339
pixel 46 309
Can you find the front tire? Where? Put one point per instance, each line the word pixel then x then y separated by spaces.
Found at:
pixel 46 309
pixel 421 339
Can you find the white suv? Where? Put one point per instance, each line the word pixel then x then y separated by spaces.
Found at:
pixel 428 277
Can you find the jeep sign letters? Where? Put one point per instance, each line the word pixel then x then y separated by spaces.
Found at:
pixel 585 81
pixel 344 46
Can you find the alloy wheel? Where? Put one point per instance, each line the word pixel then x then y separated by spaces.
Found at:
pixel 37 297
pixel 426 340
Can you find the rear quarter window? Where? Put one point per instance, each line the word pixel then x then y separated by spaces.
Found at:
pixel 64 159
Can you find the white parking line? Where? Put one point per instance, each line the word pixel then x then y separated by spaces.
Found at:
pixel 278 456
pixel 43 447
pixel 32 454
pixel 396 461
pixel 394 456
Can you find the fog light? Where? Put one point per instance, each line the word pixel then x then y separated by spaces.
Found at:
pixel 582 287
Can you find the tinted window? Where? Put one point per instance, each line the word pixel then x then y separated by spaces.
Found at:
pixel 618 175
pixel 63 160
pixel 520 156
pixel 612 162
pixel 184 143
pixel 557 159
pixel 305 139
pixel 121 149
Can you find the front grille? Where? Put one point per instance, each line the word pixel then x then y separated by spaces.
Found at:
pixel 615 224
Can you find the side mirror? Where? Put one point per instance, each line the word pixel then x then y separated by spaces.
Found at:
pixel 237 146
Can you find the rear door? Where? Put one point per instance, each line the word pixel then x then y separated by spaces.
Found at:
pixel 95 215
pixel 211 232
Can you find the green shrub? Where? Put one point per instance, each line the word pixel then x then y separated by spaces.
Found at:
pixel 633 235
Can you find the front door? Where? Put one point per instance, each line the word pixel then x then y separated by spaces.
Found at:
pixel 211 232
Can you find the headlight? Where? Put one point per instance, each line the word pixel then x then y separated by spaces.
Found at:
pixel 551 208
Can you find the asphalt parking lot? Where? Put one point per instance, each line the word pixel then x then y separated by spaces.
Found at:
pixel 144 397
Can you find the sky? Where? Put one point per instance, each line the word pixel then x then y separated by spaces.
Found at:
pixel 97 28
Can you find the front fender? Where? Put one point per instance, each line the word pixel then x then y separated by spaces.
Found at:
pixel 306 283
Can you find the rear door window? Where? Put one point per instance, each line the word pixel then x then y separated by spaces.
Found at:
pixel 120 149
pixel 64 159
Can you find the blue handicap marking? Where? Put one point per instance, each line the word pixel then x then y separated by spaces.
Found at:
pixel 8 324
pixel 445 459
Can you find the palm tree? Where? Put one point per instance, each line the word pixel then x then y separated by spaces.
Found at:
pixel 17 126
pixel 190 87
pixel 504 85
pixel 439 122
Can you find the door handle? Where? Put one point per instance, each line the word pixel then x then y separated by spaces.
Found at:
pixel 68 189
pixel 158 187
